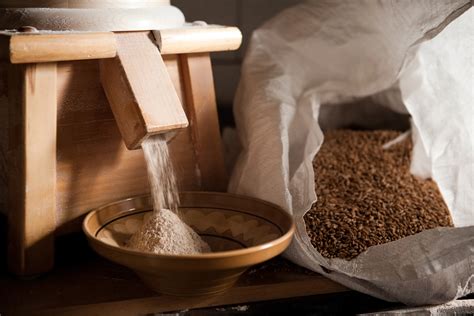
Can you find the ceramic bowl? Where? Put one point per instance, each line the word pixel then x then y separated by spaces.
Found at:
pixel 241 231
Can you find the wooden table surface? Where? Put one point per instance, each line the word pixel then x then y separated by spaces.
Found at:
pixel 82 283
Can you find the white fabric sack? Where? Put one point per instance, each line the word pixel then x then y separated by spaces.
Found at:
pixel 415 56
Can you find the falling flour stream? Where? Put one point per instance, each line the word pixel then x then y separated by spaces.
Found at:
pixel 164 232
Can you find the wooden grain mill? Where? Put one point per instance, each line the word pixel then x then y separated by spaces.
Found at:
pixel 71 102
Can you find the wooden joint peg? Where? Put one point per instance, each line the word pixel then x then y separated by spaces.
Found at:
pixel 139 90
pixel 198 39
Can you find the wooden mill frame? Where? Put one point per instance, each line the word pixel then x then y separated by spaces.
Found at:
pixel 63 152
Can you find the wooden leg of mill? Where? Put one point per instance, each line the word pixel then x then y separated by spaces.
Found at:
pixel 31 163
pixel 196 73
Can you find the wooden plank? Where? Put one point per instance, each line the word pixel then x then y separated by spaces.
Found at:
pixel 236 295
pixel 37 48
pixel 198 39
pixel 94 286
pixel 196 71
pixel 32 168
pixel 140 91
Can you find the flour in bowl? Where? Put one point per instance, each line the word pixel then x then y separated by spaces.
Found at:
pixel 164 232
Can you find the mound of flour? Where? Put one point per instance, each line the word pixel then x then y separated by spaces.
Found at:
pixel 165 233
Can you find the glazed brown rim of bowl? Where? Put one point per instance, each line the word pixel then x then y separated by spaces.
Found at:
pixel 211 255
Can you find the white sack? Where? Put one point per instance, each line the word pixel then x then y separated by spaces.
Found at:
pixel 332 52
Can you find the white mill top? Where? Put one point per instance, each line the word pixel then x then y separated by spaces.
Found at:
pixel 90 15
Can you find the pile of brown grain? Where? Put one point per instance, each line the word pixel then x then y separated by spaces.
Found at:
pixel 367 196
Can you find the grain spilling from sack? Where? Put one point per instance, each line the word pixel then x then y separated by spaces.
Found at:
pixel 367 196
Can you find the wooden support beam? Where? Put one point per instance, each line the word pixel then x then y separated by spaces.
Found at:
pixel 198 39
pixel 200 97
pixel 41 47
pixel 38 48
pixel 139 89
pixel 32 168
